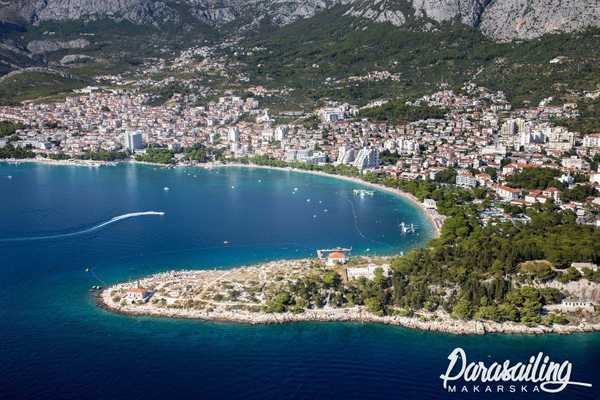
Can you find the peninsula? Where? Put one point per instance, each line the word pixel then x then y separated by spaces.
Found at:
pixel 315 290
pixel 511 272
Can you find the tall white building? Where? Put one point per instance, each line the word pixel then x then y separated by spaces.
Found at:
pixel 511 130
pixel 367 158
pixel 346 155
pixel 233 135
pixel 133 141
pixel 527 138
pixel 280 133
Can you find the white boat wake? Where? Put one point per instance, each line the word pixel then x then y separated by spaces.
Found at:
pixel 355 216
pixel 88 230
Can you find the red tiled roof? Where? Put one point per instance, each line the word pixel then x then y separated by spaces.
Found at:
pixel 337 255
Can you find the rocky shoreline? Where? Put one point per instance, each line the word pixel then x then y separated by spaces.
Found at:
pixel 354 314
pixel 224 310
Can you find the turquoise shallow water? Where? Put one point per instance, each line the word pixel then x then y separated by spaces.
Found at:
pixel 55 343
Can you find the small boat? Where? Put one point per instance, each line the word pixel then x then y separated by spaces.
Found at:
pixel 225 241
pixel 363 192
pixel 87 269
pixel 407 229
pixel 166 189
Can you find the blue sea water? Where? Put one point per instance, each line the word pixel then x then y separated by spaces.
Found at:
pixel 56 344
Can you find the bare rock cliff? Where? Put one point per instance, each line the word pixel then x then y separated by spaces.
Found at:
pixel 498 19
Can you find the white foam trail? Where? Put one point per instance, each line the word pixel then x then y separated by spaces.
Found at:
pixel 88 230
pixel 358 229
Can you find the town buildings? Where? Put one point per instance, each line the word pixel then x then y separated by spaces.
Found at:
pixel 133 141
pixel 480 136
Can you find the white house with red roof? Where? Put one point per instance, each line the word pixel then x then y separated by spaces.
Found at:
pixel 507 193
pixel 535 196
pixel 336 258
pixel 137 294
pixel 552 193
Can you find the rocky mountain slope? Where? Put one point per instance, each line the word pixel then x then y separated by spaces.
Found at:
pixel 12 54
pixel 137 11
pixel 498 19
pixel 518 19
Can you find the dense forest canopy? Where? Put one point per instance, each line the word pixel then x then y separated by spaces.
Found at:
pixel 398 112
pixel 535 178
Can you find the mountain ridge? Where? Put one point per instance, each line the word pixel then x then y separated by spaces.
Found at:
pixel 501 20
